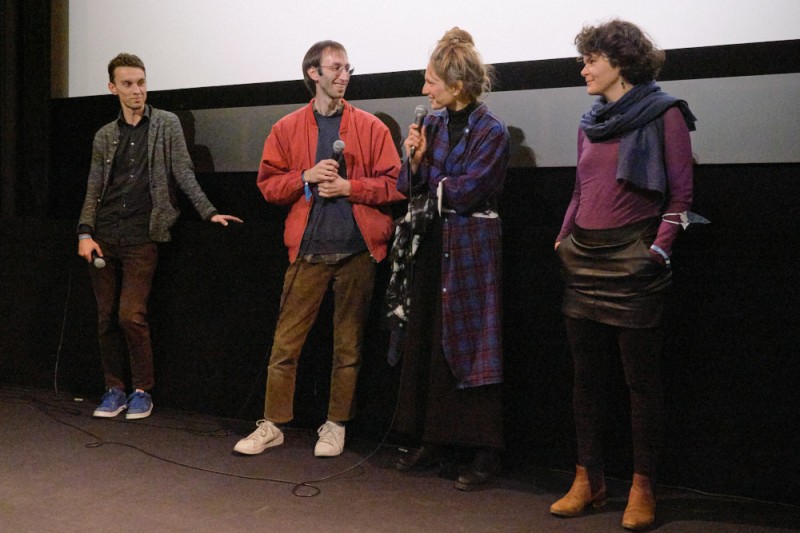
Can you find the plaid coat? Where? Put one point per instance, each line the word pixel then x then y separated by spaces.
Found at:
pixel 472 177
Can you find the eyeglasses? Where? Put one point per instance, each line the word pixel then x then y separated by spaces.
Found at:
pixel 338 70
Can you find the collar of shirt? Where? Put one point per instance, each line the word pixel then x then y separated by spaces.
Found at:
pixel 121 122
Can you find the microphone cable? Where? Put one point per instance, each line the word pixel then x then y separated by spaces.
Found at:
pixel 63 328
pixel 315 490
pixel 46 408
pixel 51 410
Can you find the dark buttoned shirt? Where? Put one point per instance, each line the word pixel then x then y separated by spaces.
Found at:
pixel 124 216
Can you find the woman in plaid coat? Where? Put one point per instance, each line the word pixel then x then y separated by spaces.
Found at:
pixel 450 397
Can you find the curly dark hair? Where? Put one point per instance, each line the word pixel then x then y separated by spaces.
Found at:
pixel 626 46
pixel 124 60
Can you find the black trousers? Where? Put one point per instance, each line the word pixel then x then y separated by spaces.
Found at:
pixel 640 349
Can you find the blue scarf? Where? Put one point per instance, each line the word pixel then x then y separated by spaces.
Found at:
pixel 632 119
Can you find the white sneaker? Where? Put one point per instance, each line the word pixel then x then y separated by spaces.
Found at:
pixel 265 436
pixel 331 440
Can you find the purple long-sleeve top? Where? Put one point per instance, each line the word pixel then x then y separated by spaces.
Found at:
pixel 599 201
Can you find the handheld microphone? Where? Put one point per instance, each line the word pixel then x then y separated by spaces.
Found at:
pixel 419 117
pixel 338 150
pixel 97 261
pixel 338 155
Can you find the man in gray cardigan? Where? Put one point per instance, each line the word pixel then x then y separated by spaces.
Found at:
pixel 130 206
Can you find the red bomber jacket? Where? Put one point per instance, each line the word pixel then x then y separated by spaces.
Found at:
pixel 373 166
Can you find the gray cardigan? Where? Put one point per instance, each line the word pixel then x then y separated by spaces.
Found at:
pixel 168 165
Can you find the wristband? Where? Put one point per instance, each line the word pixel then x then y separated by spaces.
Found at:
pixel 306 188
pixel 83 236
pixel 662 253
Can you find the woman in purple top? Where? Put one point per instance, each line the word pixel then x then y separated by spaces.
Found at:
pixel 634 179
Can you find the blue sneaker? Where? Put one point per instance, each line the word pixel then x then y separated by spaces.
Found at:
pixel 139 406
pixel 112 404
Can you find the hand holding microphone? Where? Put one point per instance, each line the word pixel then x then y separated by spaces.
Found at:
pixel 419 116
pixel 416 138
pixel 90 251
pixel 338 151
pixel 324 170
pixel 97 261
pixel 330 184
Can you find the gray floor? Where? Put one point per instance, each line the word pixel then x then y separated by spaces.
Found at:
pixel 63 471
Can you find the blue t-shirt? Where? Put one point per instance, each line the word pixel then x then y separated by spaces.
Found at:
pixel 331 229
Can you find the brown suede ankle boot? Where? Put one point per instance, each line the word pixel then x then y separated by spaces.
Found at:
pixel 641 510
pixel 588 488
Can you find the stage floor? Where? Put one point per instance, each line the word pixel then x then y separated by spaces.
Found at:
pixel 64 471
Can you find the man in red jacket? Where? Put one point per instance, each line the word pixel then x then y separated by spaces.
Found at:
pixel 337 229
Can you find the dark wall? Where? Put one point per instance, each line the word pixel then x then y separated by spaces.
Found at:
pixel 24 114
pixel 731 358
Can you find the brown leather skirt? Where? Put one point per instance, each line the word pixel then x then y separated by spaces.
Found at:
pixel 611 277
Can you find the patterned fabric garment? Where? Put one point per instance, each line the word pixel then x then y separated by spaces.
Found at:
pixel 472 177
pixel 421 210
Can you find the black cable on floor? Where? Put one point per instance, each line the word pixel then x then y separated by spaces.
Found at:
pixel 298 487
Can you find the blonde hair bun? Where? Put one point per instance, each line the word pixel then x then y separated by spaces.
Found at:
pixel 457 36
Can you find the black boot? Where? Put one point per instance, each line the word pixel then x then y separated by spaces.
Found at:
pixel 426 456
pixel 482 469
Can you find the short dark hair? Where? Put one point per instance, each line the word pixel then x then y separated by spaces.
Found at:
pixel 313 58
pixel 626 46
pixel 124 60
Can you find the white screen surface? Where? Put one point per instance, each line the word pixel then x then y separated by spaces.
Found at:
pixel 201 43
